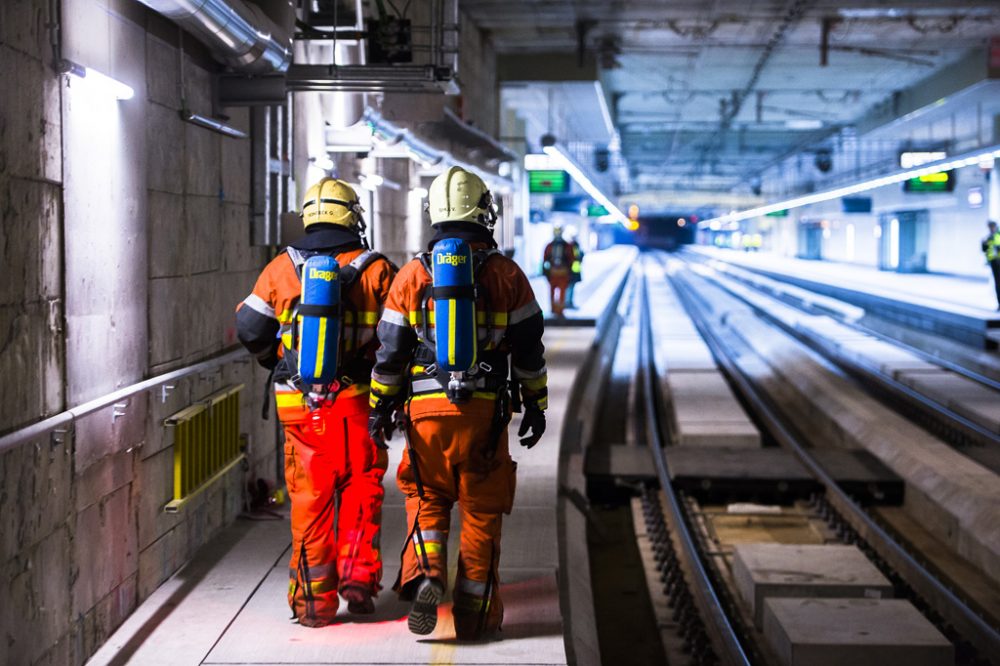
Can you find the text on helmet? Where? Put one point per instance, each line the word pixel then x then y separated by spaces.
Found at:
pixel 452 259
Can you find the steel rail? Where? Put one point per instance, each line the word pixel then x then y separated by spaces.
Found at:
pixel 65 419
pixel 727 644
pixel 972 627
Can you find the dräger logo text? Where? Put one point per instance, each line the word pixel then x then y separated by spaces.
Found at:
pixel 326 276
pixel 452 259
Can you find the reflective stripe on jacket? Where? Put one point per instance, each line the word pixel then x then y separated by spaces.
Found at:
pixel 991 246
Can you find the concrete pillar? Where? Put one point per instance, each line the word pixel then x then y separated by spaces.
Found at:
pixel 994 195
pixel 391 207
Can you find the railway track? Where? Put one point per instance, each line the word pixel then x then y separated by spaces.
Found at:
pixel 689 541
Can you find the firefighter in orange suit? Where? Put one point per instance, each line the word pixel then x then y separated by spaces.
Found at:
pixel 557 263
pixel 328 453
pixel 456 435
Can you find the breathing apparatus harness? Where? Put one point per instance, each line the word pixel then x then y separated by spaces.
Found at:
pixel 459 385
pixel 357 368
pixel 489 371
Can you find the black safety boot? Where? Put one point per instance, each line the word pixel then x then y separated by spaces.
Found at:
pixel 359 599
pixel 423 613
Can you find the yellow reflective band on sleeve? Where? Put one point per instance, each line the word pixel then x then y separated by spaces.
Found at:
pixel 497 318
pixel 417 370
pixel 384 389
pixel 543 403
pixel 536 383
pixel 452 315
pixel 283 400
pixel 320 348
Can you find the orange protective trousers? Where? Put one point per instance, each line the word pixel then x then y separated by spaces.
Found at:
pixel 334 476
pixel 558 282
pixel 454 466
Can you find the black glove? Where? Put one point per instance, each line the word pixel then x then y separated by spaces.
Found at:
pixel 381 426
pixel 533 420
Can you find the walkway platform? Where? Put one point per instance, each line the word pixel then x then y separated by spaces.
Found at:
pixel 227 606
pixel 956 307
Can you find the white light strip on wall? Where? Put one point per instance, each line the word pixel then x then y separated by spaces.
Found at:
pixel 967 159
pixel 97 80
pixel 569 165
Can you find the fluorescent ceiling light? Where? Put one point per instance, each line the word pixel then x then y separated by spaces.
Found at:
pixel 803 124
pixel 566 163
pixel 371 181
pixel 98 81
pixel 911 158
pixel 349 148
pixel 541 162
pixel 967 159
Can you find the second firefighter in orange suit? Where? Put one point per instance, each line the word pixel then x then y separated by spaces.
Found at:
pixel 457 450
pixel 333 470
pixel 557 263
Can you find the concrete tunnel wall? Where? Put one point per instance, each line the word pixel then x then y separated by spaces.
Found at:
pixel 124 246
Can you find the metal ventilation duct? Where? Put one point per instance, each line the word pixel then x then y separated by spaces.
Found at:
pixel 240 34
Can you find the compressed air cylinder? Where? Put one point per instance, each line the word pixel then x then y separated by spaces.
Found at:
pixel 319 320
pixel 454 305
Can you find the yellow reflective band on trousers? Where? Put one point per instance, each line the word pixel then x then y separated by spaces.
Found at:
pixel 315 586
pixel 535 384
pixel 429 548
pixel 467 603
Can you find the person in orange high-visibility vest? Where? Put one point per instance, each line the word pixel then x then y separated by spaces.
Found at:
pixel 456 429
pixel 557 264
pixel 333 470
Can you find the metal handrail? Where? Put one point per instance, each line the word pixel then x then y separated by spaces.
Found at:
pixel 62 420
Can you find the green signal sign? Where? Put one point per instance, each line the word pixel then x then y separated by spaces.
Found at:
pixel 547 182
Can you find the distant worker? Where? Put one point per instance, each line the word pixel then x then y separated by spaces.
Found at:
pixel 311 318
pixel 575 270
pixel 991 247
pixel 453 317
pixel 557 262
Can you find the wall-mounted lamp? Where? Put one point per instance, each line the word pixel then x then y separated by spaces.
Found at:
pixel 324 163
pixel 97 80
pixel 212 124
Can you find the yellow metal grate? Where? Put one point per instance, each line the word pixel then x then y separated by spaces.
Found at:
pixel 206 443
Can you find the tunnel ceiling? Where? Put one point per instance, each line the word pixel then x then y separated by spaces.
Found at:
pixel 706 94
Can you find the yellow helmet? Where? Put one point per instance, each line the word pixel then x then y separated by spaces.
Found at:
pixel 460 196
pixel 331 201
